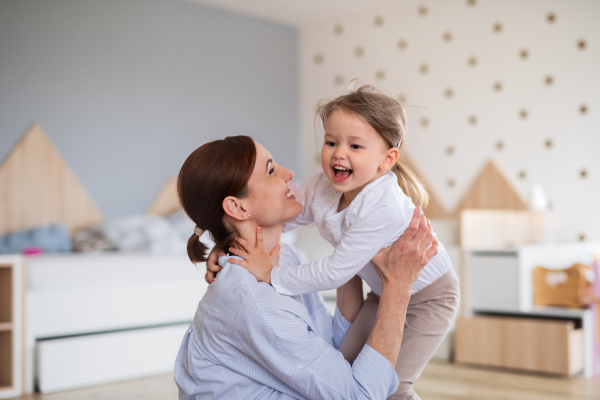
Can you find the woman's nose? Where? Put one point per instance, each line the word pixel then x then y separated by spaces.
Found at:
pixel 288 175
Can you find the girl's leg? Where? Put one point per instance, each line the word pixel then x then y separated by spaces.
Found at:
pixel 361 328
pixel 430 314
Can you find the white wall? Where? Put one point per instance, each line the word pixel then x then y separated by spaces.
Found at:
pixel 553 110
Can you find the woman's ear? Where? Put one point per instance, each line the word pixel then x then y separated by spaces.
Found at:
pixel 391 157
pixel 235 208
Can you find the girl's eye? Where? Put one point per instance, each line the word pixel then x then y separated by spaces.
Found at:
pixel 355 146
pixel 330 144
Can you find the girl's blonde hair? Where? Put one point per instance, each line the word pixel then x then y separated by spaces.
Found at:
pixel 387 117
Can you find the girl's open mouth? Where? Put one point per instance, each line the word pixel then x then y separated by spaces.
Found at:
pixel 341 174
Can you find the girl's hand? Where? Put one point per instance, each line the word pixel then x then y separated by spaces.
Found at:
pixel 212 264
pixel 255 259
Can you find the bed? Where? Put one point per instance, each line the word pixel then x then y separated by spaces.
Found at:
pixel 93 318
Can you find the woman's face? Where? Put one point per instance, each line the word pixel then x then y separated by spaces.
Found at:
pixel 272 201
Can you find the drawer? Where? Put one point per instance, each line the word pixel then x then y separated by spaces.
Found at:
pixel 543 345
pixel 72 362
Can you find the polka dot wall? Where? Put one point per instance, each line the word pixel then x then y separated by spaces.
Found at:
pixel 515 81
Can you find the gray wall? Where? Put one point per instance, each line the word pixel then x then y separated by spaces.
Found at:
pixel 127 89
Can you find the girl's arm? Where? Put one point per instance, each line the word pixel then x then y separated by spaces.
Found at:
pixel 372 231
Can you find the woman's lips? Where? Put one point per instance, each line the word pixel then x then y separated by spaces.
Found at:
pixel 289 195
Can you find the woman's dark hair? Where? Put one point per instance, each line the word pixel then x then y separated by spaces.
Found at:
pixel 211 173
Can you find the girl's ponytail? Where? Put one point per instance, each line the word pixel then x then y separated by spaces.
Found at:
pixel 410 184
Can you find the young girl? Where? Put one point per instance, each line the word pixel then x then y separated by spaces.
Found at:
pixel 360 205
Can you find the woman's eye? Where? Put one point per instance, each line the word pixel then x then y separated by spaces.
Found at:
pixel 271 170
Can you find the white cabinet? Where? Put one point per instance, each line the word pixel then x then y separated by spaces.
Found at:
pixel 499 284
pixel 503 280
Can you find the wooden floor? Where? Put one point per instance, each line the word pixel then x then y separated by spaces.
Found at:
pixel 439 381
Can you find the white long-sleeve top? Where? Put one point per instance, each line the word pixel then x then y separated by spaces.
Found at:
pixel 377 216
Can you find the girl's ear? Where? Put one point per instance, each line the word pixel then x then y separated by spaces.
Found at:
pixel 391 157
pixel 235 208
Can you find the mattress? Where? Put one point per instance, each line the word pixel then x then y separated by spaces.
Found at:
pixel 85 271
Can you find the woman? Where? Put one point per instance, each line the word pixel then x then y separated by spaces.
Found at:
pixel 248 341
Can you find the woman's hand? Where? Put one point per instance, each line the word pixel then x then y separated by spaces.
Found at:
pixel 212 264
pixel 255 259
pixel 403 261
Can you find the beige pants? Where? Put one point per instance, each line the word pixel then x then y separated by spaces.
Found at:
pixel 428 318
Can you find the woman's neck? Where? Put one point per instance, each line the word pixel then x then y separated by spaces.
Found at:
pixel 271 235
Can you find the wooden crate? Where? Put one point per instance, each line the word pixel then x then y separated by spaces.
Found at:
pixel 567 287
pixel 543 345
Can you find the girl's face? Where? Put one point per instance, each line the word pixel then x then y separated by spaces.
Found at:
pixel 353 153
pixel 272 201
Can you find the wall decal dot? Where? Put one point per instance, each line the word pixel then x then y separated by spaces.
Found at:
pixel 522 174
pixel 583 174
pixel 471 3
pixel 472 61
pixel 550 205
pixel 319 59
pixel 450 182
pixel 338 80
pixel 447 36
pixel 424 122
pixel 401 98
pixel 548 143
pixel 497 27
pixel 551 18
pixel 380 75
pixel 422 11
pixel 473 120
pixel 523 114
pixel 583 109
pixel 359 51
pixel 378 21
pixel 401 44
pixel 549 80
pixel 449 93
pixel 581 44
pixel 338 29
pixel 498 86
pixel 524 54
pixel 581 237
pixel 499 145
pixel 450 150
pixel 423 68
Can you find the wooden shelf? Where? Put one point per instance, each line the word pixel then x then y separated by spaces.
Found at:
pixel 10 326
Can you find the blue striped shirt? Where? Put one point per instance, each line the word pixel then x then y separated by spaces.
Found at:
pixel 249 342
